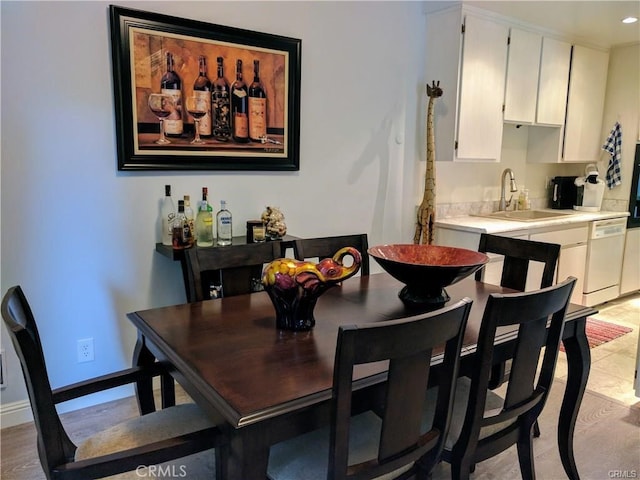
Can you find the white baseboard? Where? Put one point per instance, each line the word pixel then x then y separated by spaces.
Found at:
pixel 15 413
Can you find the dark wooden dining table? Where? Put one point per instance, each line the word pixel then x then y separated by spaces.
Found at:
pixel 263 385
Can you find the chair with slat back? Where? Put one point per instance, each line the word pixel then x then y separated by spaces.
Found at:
pixel 238 269
pixel 395 441
pixel 326 247
pixel 518 254
pixel 158 437
pixel 484 424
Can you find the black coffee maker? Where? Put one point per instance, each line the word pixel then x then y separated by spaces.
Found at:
pixel 563 192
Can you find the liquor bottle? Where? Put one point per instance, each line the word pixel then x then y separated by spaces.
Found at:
pixel 181 233
pixel 223 224
pixel 257 106
pixel 221 109
pixel 240 107
pixel 188 212
pixel 167 214
pixel 202 91
pixel 170 84
pixel 204 222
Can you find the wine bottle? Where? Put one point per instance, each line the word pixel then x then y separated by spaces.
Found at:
pixel 171 84
pixel 204 222
pixel 167 214
pixel 181 233
pixel 202 91
pixel 239 107
pixel 257 106
pixel 188 212
pixel 221 110
pixel 223 224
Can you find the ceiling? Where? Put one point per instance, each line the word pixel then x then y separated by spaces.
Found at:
pixel 595 22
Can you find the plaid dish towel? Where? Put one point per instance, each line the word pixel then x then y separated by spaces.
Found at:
pixel 613 145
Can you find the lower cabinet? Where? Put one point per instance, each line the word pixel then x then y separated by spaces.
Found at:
pixel 572 261
pixel 573 254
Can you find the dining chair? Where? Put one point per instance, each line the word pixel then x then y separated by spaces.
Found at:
pixel 326 247
pixel 170 434
pixel 389 442
pixel 484 423
pixel 518 254
pixel 236 269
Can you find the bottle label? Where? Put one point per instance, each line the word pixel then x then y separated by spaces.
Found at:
pixel 221 113
pixel 173 123
pixel 239 92
pixel 241 125
pixel 257 117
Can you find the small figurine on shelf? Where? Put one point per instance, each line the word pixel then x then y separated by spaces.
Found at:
pixel 274 223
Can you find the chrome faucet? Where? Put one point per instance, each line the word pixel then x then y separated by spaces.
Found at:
pixel 514 188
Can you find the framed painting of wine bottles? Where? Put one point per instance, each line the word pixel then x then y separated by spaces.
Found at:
pixel 191 95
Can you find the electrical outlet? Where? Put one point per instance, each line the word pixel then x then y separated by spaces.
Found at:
pixel 85 350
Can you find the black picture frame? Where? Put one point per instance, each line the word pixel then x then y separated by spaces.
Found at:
pixel 139 45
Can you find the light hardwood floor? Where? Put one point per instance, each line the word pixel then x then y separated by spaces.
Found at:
pixel 607 434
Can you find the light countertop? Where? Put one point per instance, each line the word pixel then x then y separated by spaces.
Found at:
pixel 478 224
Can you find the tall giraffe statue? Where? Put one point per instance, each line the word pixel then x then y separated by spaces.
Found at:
pixel 427 210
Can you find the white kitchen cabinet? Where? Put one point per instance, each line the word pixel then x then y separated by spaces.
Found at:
pixel 554 80
pixel 571 262
pixel 523 69
pixel 537 79
pixel 467 53
pixel 573 254
pixel 580 138
pixel 585 105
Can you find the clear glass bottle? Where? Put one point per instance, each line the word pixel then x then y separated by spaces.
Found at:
pixel 181 232
pixel 204 222
pixel 188 212
pixel 224 224
pixel 167 214
pixel 521 200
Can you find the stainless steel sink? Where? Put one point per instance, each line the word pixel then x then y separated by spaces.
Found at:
pixel 525 215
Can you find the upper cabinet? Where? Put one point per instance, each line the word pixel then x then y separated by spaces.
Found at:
pixel 580 139
pixel 483 64
pixel 472 50
pixel 537 79
pixel 523 72
pixel 494 70
pixel 552 85
pixel 587 85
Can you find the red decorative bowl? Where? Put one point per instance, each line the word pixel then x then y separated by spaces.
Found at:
pixel 426 270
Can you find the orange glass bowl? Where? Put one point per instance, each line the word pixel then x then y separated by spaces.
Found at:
pixel 426 270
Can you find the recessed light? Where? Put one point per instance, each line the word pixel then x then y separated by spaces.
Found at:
pixel 629 20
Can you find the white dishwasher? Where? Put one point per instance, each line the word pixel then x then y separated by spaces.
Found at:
pixel 604 261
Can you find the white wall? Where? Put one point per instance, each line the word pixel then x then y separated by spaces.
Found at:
pixel 622 104
pixel 79 236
